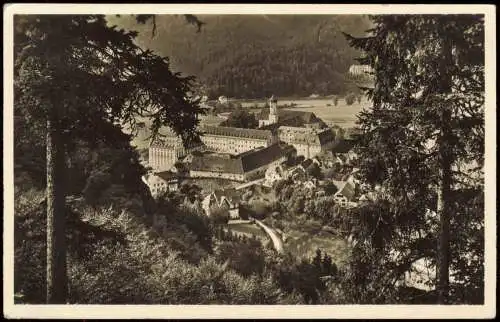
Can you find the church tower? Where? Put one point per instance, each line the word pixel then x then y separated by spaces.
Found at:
pixel 273 110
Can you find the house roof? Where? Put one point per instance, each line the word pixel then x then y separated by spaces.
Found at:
pixel 231 195
pixel 278 169
pixel 241 163
pixel 166 175
pixel 236 132
pixel 214 163
pixel 339 184
pixel 369 196
pixel 348 190
pixel 306 163
pixel 307 135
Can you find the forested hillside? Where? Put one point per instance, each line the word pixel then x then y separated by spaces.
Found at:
pixel 252 56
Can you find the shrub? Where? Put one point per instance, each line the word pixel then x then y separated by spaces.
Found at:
pixel 314 171
pixel 246 258
pixel 219 215
pixel 258 209
pixel 350 98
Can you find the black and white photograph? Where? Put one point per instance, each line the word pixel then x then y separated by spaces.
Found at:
pixel 211 157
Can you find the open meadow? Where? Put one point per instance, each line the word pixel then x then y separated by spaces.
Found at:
pixel 247 228
pixel 342 115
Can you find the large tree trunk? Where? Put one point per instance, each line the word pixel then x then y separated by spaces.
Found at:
pixel 445 180
pixel 444 230
pixel 56 226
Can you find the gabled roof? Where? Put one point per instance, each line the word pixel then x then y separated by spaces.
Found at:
pixel 348 191
pixel 278 169
pixel 229 195
pixel 166 175
pixel 241 163
pixel 326 136
pixel 265 155
pixel 306 163
pixel 339 184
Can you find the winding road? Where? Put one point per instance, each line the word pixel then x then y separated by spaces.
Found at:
pixel 277 242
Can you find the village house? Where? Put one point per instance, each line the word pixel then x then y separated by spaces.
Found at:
pixel 223 100
pixel 345 196
pixel 367 197
pixel 228 199
pixel 310 184
pixel 161 182
pixel 297 174
pixel 317 161
pixel 305 164
pixel 247 166
pixel 274 173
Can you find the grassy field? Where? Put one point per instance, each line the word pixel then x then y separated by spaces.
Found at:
pixel 342 115
pixel 247 229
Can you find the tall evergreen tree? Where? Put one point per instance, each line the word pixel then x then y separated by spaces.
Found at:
pixel 76 74
pixel 425 131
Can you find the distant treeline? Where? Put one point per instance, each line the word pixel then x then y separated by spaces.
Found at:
pixel 254 56
pixel 301 71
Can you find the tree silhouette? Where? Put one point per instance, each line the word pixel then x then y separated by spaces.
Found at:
pixel 426 122
pixel 76 75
